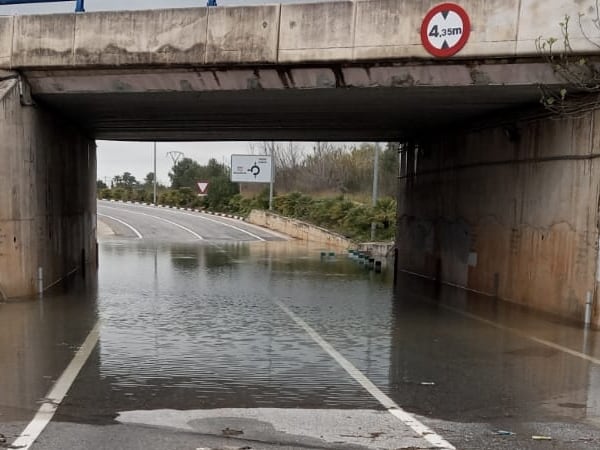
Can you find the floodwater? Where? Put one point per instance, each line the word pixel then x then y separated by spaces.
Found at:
pixel 199 327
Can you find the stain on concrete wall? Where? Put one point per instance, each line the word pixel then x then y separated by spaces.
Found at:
pixel 510 211
pixel 47 195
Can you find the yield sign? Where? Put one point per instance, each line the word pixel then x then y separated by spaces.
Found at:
pixel 202 186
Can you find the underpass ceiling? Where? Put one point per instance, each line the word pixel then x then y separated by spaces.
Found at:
pixel 326 113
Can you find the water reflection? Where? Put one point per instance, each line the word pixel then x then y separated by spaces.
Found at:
pixel 201 318
pixel 38 338
pixel 195 327
pixel 208 324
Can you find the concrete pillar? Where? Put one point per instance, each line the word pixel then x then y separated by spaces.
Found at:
pixel 47 195
pixel 510 211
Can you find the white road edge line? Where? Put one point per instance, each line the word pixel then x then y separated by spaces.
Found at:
pixel 524 335
pixel 392 407
pixel 514 331
pixel 57 393
pixel 192 232
pixel 220 222
pixel 137 233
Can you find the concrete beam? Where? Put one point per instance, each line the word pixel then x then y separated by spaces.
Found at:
pixel 413 77
pixel 159 37
pixel 6 37
pixel 539 18
pixel 328 32
pixel 43 41
pixel 317 32
pixel 243 35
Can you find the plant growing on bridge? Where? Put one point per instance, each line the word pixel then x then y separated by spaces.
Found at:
pixel 581 74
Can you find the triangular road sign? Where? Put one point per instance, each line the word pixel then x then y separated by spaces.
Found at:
pixel 202 186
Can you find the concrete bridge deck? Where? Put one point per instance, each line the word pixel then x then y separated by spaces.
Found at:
pixel 343 31
pixel 315 71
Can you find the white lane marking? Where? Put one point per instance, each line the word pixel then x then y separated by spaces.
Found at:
pixel 137 233
pixel 524 335
pixel 220 222
pixel 422 430
pixel 226 225
pixel 192 232
pixel 57 393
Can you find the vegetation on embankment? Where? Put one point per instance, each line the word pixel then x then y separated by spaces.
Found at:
pixel 329 187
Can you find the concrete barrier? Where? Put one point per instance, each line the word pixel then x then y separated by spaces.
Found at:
pixel 298 229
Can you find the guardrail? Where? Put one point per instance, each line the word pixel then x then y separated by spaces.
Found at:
pixel 78 3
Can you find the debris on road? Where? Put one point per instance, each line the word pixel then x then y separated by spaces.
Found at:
pixel 504 433
pixel 541 438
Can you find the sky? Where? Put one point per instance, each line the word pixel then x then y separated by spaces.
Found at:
pixel 114 157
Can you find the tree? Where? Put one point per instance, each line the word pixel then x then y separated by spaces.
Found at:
pixel 101 185
pixel 149 180
pixel 220 192
pixel 129 180
pixel 126 181
pixel 186 173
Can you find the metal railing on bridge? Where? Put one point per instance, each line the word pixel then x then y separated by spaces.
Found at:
pixel 78 3
pixel 79 7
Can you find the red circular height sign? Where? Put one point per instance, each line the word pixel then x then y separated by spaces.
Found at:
pixel 445 30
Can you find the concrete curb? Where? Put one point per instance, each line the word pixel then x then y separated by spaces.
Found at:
pixel 199 211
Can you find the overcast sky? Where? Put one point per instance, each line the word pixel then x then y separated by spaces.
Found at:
pixel 114 158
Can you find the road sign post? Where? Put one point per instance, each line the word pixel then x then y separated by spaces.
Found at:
pixel 254 169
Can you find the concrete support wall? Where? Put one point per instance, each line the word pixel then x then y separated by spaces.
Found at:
pixel 47 196
pixel 510 211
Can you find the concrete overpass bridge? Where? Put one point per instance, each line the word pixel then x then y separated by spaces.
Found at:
pixel 494 195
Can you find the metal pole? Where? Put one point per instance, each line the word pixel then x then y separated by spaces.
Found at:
pixel 154 173
pixel 375 185
pixel 271 183
pixel 588 309
pixel 40 281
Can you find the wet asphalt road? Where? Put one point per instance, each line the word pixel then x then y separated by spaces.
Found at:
pixel 197 349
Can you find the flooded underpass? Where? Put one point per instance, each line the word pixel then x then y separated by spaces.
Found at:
pixel 270 345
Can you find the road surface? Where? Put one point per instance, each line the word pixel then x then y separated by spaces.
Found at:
pixel 199 334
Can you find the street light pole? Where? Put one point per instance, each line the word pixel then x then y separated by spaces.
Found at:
pixel 375 186
pixel 272 179
pixel 154 173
